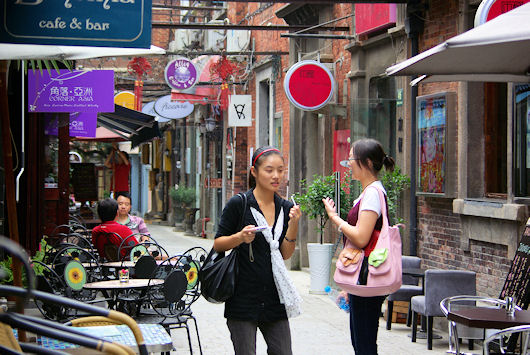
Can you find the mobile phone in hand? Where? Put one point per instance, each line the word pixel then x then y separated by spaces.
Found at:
pixel 258 228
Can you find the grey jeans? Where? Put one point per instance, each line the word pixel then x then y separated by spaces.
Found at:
pixel 277 335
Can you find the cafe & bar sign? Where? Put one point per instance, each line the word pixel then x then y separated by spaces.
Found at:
pixel 102 23
pixel 71 91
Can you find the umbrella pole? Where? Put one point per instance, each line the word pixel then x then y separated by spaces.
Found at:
pixel 10 184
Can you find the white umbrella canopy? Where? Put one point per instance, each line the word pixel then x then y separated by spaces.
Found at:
pixel 10 51
pixel 498 51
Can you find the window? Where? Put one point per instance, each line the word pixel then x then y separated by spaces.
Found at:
pixel 495 140
pixel 521 157
pixel 277 133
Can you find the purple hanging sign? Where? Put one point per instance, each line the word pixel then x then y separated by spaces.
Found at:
pixel 71 91
pixel 181 74
pixel 82 124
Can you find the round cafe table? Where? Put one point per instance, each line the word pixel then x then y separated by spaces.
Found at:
pixel 118 285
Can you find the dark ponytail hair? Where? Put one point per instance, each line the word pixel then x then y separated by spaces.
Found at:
pixel 364 149
pixel 257 158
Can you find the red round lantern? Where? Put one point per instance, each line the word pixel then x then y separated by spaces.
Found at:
pixel 309 85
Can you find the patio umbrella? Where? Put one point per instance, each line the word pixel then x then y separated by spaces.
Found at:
pixel 497 51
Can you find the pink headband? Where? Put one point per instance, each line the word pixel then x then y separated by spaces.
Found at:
pixel 265 151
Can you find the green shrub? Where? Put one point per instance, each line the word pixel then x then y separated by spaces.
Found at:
pixel 183 196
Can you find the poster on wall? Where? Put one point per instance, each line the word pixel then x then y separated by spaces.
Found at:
pixel 432 137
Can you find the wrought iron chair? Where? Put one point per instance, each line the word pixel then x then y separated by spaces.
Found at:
pixel 170 303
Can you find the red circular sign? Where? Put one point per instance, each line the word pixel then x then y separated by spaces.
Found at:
pixel 489 9
pixel 309 85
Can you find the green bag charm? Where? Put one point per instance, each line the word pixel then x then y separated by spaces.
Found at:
pixel 377 257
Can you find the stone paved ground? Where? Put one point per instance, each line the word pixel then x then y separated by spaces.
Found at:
pixel 322 328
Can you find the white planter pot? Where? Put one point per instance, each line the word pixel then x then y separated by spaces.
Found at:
pixel 319 265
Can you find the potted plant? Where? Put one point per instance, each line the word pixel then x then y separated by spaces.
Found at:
pixel 183 197
pixel 310 201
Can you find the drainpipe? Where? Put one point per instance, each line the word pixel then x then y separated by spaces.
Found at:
pixel 22 138
pixel 413 27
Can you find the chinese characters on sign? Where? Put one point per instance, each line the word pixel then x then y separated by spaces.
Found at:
pixel 113 23
pixel 71 91
pixel 82 124
pixel 181 74
pixel 432 130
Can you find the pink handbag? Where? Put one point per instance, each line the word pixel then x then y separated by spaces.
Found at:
pixel 386 277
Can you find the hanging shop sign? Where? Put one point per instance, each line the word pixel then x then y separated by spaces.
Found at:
pixel 168 109
pixel 82 124
pixel 309 85
pixel 102 23
pixel 71 91
pixel 489 9
pixel 149 109
pixel 240 111
pixel 181 74
pixel 125 99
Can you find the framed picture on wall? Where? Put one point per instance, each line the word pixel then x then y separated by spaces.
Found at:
pixel 434 117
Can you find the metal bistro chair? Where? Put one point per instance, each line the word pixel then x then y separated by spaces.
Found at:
pixel 408 289
pixel 523 330
pixel 460 331
pixel 170 302
pixel 439 284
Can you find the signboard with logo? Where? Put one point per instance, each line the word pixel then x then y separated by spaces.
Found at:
pixel 71 91
pixel 181 74
pixel 125 99
pixel 82 124
pixel 240 111
pixel 374 17
pixel 489 9
pixel 168 109
pixel 149 109
pixel 109 23
pixel 309 85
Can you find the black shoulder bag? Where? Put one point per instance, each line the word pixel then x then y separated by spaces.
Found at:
pixel 218 273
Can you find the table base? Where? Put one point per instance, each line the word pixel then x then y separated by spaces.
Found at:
pixel 423 335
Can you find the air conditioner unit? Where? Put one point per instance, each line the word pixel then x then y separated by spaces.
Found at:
pixel 237 40
pixel 186 39
pixel 214 40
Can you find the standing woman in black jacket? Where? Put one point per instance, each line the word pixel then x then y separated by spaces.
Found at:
pixel 264 297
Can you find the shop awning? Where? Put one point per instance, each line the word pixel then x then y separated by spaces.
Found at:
pixel 129 124
pixel 495 51
pixel 9 51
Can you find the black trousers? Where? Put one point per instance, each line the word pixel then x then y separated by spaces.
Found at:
pixel 277 335
pixel 364 323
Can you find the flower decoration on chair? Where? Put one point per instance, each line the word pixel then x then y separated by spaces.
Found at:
pixel 75 275
pixel 225 70
pixel 192 275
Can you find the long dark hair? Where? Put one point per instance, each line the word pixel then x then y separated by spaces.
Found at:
pixel 364 149
pixel 257 158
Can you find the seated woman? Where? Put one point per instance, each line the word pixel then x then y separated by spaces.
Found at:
pixel 134 223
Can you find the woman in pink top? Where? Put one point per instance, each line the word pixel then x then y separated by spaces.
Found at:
pixel 136 224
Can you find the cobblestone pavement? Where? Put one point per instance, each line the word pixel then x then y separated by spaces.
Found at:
pixel 322 328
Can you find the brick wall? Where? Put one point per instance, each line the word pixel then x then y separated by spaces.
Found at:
pixel 439 229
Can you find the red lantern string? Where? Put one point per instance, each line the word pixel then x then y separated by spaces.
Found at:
pixel 138 66
pixel 224 69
